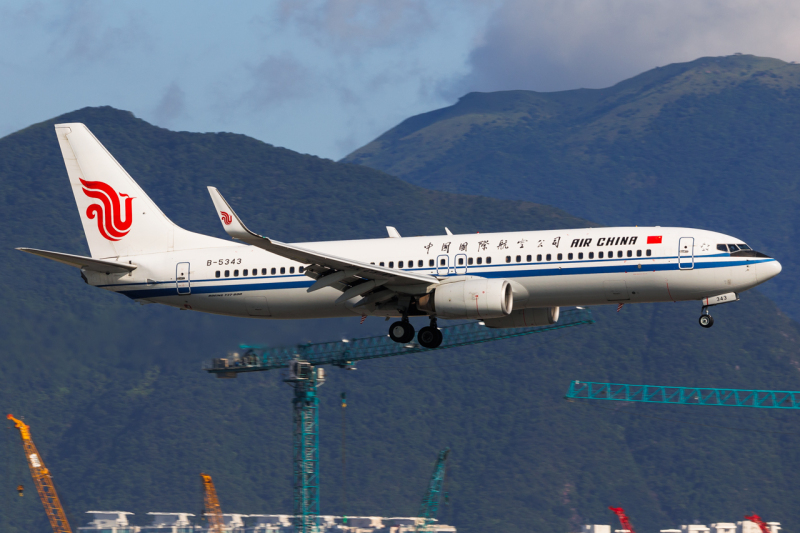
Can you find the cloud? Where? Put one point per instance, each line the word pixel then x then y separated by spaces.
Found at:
pixel 277 79
pixel 547 45
pixel 171 107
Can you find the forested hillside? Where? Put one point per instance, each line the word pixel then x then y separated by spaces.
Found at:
pixel 713 144
pixel 126 419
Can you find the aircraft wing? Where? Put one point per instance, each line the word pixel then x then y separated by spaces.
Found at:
pixel 97 265
pixel 328 270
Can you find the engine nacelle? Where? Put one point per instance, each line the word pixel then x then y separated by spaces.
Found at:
pixel 475 298
pixel 525 318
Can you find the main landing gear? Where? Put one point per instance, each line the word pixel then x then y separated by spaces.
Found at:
pixel 706 320
pixel 428 337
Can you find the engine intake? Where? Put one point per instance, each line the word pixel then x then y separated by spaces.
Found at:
pixel 475 298
pixel 526 318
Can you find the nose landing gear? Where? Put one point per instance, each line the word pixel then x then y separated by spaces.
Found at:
pixel 430 336
pixel 706 320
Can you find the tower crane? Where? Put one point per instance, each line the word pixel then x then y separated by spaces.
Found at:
pixel 42 480
pixel 623 519
pixel 213 511
pixel 430 502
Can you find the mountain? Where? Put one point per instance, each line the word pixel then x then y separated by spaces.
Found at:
pixel 126 419
pixel 712 144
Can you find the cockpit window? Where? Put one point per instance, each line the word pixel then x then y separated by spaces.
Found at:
pixel 722 247
pixel 732 247
pixel 744 247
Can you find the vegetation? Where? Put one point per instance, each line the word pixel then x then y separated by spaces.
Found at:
pixel 126 419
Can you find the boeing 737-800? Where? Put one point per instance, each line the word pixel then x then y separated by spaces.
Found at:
pixel 507 280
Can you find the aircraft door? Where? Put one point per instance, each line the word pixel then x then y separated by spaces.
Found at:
pixel 686 253
pixel 182 280
pixel 461 264
pixel 442 265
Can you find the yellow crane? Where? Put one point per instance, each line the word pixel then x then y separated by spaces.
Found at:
pixel 213 511
pixel 42 480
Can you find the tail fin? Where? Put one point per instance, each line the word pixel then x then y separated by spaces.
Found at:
pixel 119 219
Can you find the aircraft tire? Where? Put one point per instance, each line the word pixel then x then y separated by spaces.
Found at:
pixel 429 337
pixel 706 321
pixel 401 331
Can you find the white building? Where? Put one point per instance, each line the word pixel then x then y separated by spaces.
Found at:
pixel 271 523
pixel 747 526
pixel 694 528
pixel 597 528
pixel 234 523
pixel 170 523
pixel 109 522
pixel 723 527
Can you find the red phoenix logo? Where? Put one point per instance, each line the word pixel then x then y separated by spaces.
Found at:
pixel 109 215
pixel 226 218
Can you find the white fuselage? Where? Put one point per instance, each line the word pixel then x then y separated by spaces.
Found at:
pixel 615 265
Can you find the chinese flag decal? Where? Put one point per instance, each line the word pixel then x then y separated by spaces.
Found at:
pixel 654 240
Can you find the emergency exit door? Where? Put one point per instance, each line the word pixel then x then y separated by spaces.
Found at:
pixel 686 253
pixel 182 281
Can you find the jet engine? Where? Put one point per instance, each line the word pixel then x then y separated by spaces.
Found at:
pixel 475 298
pixel 525 318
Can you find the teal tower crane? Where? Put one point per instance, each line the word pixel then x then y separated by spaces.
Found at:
pixel 430 502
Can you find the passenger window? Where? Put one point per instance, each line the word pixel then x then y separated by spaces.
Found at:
pixel 560 256
pixel 263 271
pixel 722 247
pixel 480 260
pixel 619 253
pixel 548 257
pixel 441 261
pixel 244 272
pixel 508 259
pixel 381 263
pixel 569 256
pixel 272 271
pixel 528 259
pixel 301 269
pixel 600 255
pixel 391 264
pixel 469 261
pixel 283 270
pixel 399 264
pixel 430 262
pixel 411 264
pixel 519 259
pixel 227 273
pixel 580 255
pixel 420 263
pixel 647 253
pixel 539 257
pixel 638 253
pixel 488 260
pixel 217 273
pixel 235 273
pixel 460 260
pixel 591 255
pixel 630 253
pixel 291 270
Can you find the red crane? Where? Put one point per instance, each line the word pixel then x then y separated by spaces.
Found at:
pixel 757 519
pixel 623 519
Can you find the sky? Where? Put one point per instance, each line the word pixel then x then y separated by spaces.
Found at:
pixel 325 77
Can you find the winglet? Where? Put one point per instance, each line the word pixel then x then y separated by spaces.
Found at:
pixel 231 223
pixel 393 233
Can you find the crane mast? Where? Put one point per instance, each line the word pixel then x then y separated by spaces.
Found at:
pixel 623 519
pixel 760 523
pixel 430 502
pixel 213 511
pixel 42 480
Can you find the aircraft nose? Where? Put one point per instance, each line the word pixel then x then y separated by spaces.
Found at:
pixel 768 270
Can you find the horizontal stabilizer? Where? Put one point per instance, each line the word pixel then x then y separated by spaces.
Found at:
pixel 79 261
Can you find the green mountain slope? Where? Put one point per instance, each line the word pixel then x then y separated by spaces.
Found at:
pixel 712 143
pixel 125 418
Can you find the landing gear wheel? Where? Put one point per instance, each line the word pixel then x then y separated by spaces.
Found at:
pixel 401 331
pixel 430 337
pixel 706 321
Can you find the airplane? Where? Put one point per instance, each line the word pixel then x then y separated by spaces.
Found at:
pixel 506 280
